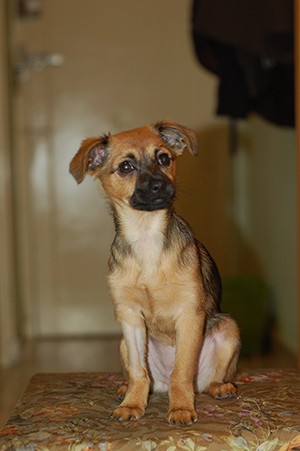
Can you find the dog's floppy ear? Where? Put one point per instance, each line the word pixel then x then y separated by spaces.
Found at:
pixel 91 155
pixel 177 136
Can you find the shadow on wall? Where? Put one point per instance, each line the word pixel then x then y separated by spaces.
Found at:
pixel 205 199
pixel 203 192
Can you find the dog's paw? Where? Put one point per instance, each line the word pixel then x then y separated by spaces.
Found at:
pixel 222 390
pixel 127 413
pixel 182 417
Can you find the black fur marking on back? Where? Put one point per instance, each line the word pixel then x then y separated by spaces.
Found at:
pixel 210 275
pixel 179 231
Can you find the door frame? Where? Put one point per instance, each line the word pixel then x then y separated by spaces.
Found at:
pixel 297 96
pixel 9 342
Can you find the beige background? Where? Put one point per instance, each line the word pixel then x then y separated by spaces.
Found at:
pixel 128 63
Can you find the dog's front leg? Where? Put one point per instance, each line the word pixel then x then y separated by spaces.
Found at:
pixel 135 401
pixel 189 335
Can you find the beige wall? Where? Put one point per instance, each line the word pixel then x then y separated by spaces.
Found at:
pixel 118 74
pixel 249 229
pixel 8 336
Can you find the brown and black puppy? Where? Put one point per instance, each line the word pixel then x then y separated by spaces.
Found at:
pixel 165 286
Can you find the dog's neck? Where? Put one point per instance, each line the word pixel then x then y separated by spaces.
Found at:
pixel 143 231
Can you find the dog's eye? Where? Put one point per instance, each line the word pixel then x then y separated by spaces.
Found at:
pixel 125 167
pixel 164 159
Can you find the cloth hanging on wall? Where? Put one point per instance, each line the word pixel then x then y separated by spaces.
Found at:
pixel 249 46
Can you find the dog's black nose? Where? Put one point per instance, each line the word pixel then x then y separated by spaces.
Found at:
pixel 155 185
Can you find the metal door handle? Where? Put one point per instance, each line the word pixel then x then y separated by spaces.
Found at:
pixel 35 62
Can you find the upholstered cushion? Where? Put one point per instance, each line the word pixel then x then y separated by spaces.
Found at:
pixel 72 412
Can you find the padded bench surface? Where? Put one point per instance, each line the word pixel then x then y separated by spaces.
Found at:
pixel 72 412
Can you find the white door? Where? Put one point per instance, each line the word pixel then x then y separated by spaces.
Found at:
pixel 126 63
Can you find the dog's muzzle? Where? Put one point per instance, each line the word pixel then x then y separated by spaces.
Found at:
pixel 152 192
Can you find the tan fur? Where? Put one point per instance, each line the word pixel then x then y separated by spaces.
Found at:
pixel 164 284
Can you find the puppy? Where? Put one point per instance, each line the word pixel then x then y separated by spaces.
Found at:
pixel 165 285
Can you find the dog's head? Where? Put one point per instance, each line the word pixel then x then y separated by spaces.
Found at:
pixel 136 167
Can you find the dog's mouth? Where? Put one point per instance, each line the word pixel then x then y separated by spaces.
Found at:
pixel 152 193
pixel 150 205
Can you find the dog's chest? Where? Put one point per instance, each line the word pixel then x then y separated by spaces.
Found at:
pixel 147 252
pixel 147 280
pixel 145 236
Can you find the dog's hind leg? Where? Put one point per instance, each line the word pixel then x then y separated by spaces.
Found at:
pixel 218 358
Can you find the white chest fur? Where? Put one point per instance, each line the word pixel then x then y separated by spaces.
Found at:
pixel 144 231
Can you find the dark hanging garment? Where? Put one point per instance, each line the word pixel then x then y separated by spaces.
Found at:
pixel 248 44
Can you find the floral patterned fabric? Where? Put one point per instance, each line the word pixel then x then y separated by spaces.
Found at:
pixel 72 412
